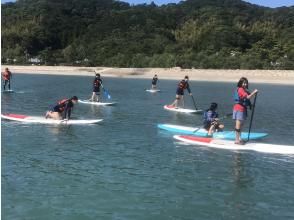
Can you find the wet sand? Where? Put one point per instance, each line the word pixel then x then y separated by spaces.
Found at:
pixel 215 75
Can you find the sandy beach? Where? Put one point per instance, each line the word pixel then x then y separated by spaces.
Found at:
pixel 255 76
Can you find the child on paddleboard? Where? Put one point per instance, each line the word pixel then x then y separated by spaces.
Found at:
pixel 6 76
pixel 154 82
pixel 242 101
pixel 211 121
pixel 63 109
pixel 97 83
pixel 183 84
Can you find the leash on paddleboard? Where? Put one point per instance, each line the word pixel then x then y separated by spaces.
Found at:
pixel 252 114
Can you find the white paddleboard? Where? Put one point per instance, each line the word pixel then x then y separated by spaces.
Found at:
pixel 152 90
pixel 43 120
pixel 96 103
pixel 8 91
pixel 230 145
pixel 182 110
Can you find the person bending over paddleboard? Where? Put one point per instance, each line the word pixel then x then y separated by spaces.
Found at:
pixel 97 83
pixel 63 109
pixel 183 84
pixel 6 76
pixel 242 101
pixel 154 82
pixel 211 122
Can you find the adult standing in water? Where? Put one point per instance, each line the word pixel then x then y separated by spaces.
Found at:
pixel 183 84
pixel 242 101
pixel 63 109
pixel 6 76
pixel 154 82
pixel 97 83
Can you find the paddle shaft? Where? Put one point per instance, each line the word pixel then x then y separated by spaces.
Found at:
pixel 225 116
pixel 252 114
pixel 194 102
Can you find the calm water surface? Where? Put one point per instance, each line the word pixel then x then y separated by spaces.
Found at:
pixel 125 168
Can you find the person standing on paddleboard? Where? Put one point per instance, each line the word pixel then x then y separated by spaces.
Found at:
pixel 6 76
pixel 183 84
pixel 63 109
pixel 242 101
pixel 154 82
pixel 211 122
pixel 97 83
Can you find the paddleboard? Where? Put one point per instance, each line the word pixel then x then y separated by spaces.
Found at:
pixel 8 91
pixel 152 90
pixel 230 145
pixel 229 135
pixel 96 103
pixel 43 120
pixel 182 110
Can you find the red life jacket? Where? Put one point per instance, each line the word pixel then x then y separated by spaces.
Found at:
pixel 97 83
pixel 183 84
pixel 61 104
pixel 6 75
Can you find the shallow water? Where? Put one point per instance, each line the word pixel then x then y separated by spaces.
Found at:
pixel 125 168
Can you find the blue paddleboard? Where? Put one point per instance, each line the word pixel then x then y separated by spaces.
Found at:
pixel 229 135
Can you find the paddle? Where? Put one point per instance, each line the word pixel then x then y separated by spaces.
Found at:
pixel 106 93
pixel 225 116
pixel 251 119
pixel 194 102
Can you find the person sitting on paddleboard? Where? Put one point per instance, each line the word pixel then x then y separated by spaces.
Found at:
pixel 154 82
pixel 97 83
pixel 6 76
pixel 242 101
pixel 183 84
pixel 63 109
pixel 211 122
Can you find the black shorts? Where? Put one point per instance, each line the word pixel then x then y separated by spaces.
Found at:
pixel 207 125
pixel 180 92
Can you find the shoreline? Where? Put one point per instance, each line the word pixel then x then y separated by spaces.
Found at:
pixel 285 77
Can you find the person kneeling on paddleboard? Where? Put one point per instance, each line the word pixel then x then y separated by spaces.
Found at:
pixel 242 101
pixel 63 109
pixel 154 82
pixel 97 83
pixel 183 84
pixel 211 122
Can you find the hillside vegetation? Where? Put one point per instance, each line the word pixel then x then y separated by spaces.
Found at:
pixel 226 34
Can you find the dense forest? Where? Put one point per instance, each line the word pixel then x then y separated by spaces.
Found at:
pixel 226 34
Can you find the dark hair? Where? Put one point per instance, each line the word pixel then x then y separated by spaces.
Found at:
pixel 241 81
pixel 74 98
pixel 97 75
pixel 213 106
pixel 186 77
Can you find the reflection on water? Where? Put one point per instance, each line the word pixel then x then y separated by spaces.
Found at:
pixel 125 168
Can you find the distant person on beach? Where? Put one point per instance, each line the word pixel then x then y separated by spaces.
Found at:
pixel 63 109
pixel 242 101
pixel 97 84
pixel 6 77
pixel 154 82
pixel 211 121
pixel 183 84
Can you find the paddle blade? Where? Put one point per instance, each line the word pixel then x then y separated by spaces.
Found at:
pixel 106 94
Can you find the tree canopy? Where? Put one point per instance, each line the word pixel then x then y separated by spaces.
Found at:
pixel 191 34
